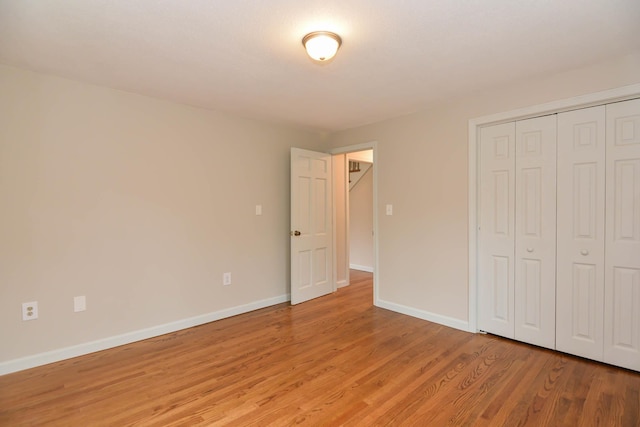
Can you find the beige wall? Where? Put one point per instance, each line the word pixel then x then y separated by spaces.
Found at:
pixel 142 204
pixel 422 170
pixel 136 203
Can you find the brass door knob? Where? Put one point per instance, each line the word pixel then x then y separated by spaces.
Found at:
pixel 295 233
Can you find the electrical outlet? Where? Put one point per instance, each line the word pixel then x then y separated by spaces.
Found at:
pixel 226 279
pixel 79 303
pixel 30 310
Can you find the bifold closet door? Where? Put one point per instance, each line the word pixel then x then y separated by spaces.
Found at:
pixel 622 258
pixel 496 207
pixel 580 232
pixel 535 231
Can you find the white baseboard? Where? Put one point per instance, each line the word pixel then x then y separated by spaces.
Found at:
pixel 129 337
pixel 424 315
pixel 341 284
pixel 361 268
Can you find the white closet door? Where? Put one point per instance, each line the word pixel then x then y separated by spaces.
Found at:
pixel 496 233
pixel 622 259
pixel 535 235
pixel 580 269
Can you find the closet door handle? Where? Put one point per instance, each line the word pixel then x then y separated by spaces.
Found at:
pixel 529 250
pixel 584 252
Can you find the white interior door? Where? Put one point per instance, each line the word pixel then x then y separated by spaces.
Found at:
pixel 311 225
pixel 622 259
pixel 535 231
pixel 496 230
pixel 580 247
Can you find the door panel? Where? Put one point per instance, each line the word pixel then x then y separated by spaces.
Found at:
pixel 496 232
pixel 580 232
pixel 535 231
pixel 622 259
pixel 311 225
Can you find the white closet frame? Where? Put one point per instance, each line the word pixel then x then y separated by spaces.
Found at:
pixel 614 95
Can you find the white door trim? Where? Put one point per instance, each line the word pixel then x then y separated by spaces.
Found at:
pixel 582 101
pixel 372 145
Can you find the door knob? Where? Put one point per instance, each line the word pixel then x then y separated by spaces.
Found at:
pixel 295 233
pixel 529 250
pixel 584 252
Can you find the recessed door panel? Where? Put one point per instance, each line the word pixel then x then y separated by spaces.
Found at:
pixel 626 207
pixel 622 260
pixel 304 204
pixel 502 200
pixel 500 289
pixel 322 213
pixel 532 288
pixel 626 300
pixel 531 197
pixel 304 269
pixel 321 274
pixel 583 304
pixel 580 232
pixel 535 231
pixel 585 200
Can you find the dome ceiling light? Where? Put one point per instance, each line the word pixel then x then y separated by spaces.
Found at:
pixel 321 45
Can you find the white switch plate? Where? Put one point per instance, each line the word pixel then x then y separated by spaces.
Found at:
pixel 258 209
pixel 30 310
pixel 79 303
pixel 226 279
pixel 389 209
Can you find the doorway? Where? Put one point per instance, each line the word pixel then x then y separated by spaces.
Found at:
pixel 355 216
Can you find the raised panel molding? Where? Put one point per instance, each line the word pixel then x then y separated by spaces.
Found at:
pixel 532 288
pixel 585 136
pixel 501 147
pixel 627 200
pixel 532 144
pixel 304 267
pixel 585 195
pixel 628 130
pixel 501 293
pixel 584 300
pixel 532 194
pixel 502 203
pixel 626 308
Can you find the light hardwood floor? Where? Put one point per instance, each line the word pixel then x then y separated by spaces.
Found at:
pixel 336 360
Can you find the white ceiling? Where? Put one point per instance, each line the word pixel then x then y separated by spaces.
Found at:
pixel 246 56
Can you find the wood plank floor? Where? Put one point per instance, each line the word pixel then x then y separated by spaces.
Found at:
pixel 336 360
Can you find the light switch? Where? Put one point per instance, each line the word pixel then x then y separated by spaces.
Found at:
pixel 389 209
pixel 79 303
pixel 258 209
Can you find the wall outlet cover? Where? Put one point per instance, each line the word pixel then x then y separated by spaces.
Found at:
pixel 30 310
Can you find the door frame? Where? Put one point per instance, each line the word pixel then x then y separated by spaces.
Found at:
pixel 583 101
pixel 372 145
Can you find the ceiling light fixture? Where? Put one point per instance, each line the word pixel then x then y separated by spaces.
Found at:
pixel 321 45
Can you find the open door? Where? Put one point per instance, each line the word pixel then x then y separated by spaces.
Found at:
pixel 311 225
